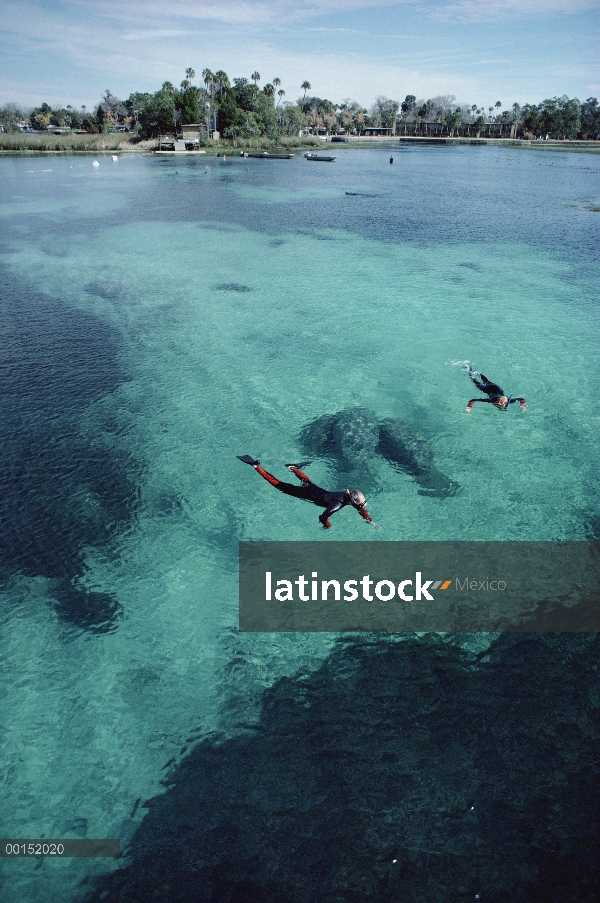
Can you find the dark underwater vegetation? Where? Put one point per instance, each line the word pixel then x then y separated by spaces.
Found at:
pixel 60 490
pixel 399 771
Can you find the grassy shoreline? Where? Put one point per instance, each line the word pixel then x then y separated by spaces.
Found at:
pixel 31 144
pixel 49 143
pixel 106 144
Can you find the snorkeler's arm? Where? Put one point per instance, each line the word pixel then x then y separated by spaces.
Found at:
pixel 364 513
pixel 520 400
pixel 472 402
pixel 324 518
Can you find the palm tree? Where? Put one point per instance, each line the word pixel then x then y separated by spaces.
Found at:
pixel 255 77
pixel 498 104
pixel 280 94
pixel 306 86
pixel 185 84
pixel 269 90
pixel 208 79
pixel 276 82
pixel 221 83
pixel 190 75
pixel 168 87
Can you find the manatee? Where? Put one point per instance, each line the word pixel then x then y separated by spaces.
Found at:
pixel 232 287
pixel 317 437
pixel 111 291
pixel 351 439
pixel 348 438
pixel 410 452
pixel 354 434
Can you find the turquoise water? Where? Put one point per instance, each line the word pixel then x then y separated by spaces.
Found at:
pixel 160 317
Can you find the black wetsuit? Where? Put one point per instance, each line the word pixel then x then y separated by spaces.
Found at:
pixel 331 501
pixel 493 391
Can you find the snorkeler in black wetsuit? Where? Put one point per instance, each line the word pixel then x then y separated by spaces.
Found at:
pixel 331 501
pixel 495 394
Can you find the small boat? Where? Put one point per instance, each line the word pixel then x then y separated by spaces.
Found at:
pixel 266 156
pixel 320 158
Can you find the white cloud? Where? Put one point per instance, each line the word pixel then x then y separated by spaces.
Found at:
pixel 231 11
pixel 73 49
pixel 337 30
pixel 277 12
pixel 154 34
pixel 506 9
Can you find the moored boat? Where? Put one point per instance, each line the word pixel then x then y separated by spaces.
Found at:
pixel 266 156
pixel 320 158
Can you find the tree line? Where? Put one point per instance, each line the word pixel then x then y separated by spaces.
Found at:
pixel 242 109
pixel 556 117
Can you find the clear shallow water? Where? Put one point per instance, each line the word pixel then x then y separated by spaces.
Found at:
pixel 159 319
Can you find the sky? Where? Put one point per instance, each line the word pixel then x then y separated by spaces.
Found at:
pixel 70 51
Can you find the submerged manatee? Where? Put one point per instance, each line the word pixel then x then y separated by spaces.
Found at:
pixel 352 437
pixel 409 451
pixel 111 291
pixel 232 287
pixel 348 439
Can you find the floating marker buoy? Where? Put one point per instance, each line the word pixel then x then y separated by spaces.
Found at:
pixel 95 163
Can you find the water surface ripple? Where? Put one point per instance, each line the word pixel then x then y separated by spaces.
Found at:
pixel 160 317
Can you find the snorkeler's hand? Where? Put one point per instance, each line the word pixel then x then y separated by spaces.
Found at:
pixel 467 410
pixel 523 406
pixel 373 524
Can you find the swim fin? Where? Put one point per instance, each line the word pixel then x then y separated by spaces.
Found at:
pixel 300 465
pixel 247 459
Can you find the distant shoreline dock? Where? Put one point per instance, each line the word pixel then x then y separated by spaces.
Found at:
pixel 542 144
